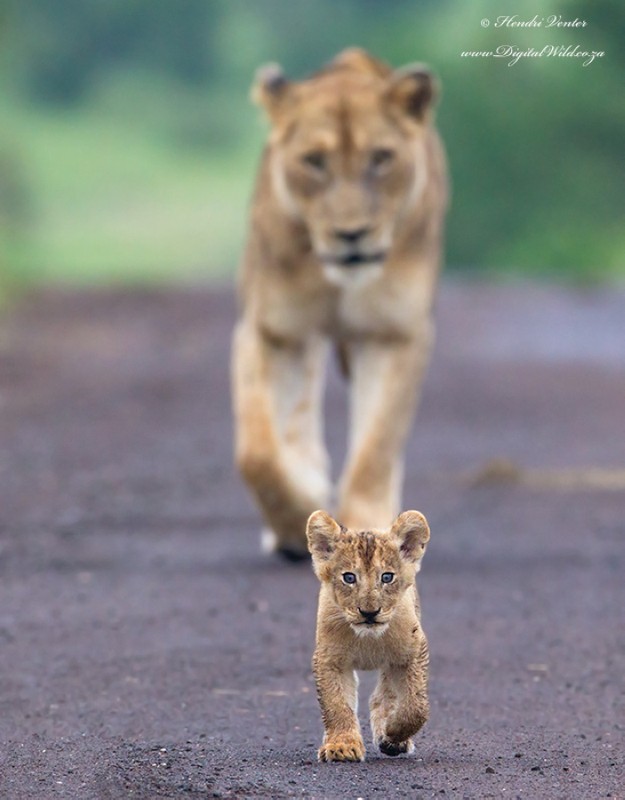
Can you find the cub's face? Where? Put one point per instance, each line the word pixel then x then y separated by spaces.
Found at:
pixel 367 572
pixel 347 155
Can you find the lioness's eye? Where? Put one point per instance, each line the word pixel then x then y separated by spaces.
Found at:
pixel 381 157
pixel 349 577
pixel 315 159
pixel 387 577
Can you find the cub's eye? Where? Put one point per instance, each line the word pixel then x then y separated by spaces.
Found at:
pixel 315 160
pixel 381 158
pixel 349 577
pixel 387 577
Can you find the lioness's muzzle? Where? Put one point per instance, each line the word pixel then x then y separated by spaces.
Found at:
pixel 354 259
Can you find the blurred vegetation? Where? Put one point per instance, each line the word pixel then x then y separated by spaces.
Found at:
pixel 128 146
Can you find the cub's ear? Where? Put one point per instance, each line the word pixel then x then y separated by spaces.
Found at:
pixel 322 532
pixel 413 533
pixel 270 88
pixel 413 89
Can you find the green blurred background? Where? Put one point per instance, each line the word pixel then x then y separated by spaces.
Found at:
pixel 128 145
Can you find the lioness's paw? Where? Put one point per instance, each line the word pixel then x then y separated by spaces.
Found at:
pixel 268 540
pixel 269 543
pixel 395 748
pixel 342 748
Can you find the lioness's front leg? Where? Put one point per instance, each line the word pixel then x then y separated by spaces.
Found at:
pixel 386 378
pixel 399 705
pixel 337 692
pixel 277 387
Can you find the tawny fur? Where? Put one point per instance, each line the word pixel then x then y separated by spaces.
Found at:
pixel 351 148
pixel 394 643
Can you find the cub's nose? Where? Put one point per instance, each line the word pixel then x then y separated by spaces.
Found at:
pixel 350 235
pixel 370 615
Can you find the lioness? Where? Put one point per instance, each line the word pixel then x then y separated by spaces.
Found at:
pixel 344 246
pixel 369 618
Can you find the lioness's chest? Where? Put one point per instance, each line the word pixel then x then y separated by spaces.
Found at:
pixel 383 307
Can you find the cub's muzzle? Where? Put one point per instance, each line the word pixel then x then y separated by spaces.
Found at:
pixel 369 616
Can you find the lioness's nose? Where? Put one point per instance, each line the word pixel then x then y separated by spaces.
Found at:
pixel 350 235
pixel 370 615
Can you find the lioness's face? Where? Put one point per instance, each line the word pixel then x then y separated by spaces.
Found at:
pixel 368 572
pixel 347 156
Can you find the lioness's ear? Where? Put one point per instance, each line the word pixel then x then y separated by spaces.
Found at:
pixel 269 88
pixel 413 89
pixel 413 532
pixel 321 532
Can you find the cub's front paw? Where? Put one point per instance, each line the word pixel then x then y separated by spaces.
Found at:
pixel 395 748
pixel 342 748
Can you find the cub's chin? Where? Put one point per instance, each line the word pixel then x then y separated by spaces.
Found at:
pixel 369 630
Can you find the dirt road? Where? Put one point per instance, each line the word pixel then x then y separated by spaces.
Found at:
pixel 147 648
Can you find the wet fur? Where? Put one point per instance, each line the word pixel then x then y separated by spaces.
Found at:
pixel 397 647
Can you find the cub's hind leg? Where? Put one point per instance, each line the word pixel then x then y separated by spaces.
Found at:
pixel 382 704
pixel 400 706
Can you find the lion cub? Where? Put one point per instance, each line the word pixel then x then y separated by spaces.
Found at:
pixel 369 618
